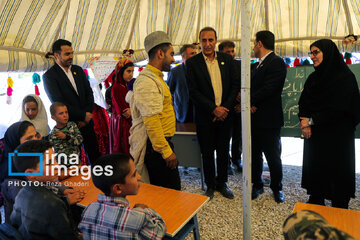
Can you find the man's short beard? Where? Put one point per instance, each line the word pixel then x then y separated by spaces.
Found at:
pixel 165 67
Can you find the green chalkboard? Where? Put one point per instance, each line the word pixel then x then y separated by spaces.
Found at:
pixel 294 83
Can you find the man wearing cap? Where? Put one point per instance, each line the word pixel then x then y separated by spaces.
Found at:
pixel 154 116
pixel 213 86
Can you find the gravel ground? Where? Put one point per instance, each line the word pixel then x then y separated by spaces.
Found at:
pixel 221 218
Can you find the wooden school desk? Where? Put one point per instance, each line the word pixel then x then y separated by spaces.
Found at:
pixel 178 209
pixel 343 219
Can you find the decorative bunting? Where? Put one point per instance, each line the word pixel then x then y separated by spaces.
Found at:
pixel 86 74
pixel 306 62
pixel 36 79
pixel 37 92
pixel 348 57
pixel 9 91
pixel 107 84
pixel 296 62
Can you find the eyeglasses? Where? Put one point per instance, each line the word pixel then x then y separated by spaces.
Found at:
pixel 315 52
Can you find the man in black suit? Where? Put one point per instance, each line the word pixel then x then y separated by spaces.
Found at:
pixel 68 84
pixel 267 81
pixel 236 142
pixel 213 86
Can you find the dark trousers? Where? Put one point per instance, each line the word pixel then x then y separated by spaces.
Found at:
pixel 267 141
pixel 90 142
pixel 159 173
pixel 190 113
pixel 236 144
pixel 337 201
pixel 211 137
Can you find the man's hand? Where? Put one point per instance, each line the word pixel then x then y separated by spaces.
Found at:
pixel 140 205
pixel 220 113
pixel 305 127
pixel 304 122
pixel 253 109
pixel 171 161
pixel 88 117
pixel 237 108
pixel 238 97
pixel 306 131
pixel 60 135
pixel 81 124
pixel 74 195
pixel 126 113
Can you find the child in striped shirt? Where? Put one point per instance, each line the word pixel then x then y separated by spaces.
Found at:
pixel 111 216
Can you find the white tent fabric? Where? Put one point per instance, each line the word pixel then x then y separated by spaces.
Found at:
pixel 107 27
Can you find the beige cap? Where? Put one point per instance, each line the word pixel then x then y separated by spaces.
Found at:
pixel 154 39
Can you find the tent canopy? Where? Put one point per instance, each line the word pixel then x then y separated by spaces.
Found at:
pixel 107 27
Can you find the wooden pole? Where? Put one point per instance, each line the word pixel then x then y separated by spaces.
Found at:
pixel 245 116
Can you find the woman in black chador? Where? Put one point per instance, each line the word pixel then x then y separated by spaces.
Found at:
pixel 329 110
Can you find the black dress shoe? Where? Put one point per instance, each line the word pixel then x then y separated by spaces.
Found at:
pixel 255 193
pixel 313 199
pixel 279 196
pixel 238 167
pixel 230 170
pixel 225 191
pixel 209 193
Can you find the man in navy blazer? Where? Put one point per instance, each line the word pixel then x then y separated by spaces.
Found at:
pixel 213 86
pixel 68 84
pixel 267 81
pixel 178 86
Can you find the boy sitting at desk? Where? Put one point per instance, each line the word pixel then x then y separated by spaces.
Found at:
pixel 111 217
pixel 40 210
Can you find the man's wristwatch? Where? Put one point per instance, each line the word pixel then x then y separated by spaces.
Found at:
pixel 310 122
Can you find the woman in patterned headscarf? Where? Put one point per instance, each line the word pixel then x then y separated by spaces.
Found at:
pixel 120 121
pixel 329 110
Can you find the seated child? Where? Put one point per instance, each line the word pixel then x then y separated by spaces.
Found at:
pixel 40 210
pixel 65 136
pixel 111 217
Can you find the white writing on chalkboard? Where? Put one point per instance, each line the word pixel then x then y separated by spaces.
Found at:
pixel 299 72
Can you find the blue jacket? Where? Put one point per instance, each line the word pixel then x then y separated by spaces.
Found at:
pixel 179 91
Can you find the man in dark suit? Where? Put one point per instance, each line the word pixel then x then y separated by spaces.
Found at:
pixel 236 142
pixel 68 84
pixel 267 81
pixel 178 87
pixel 213 86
